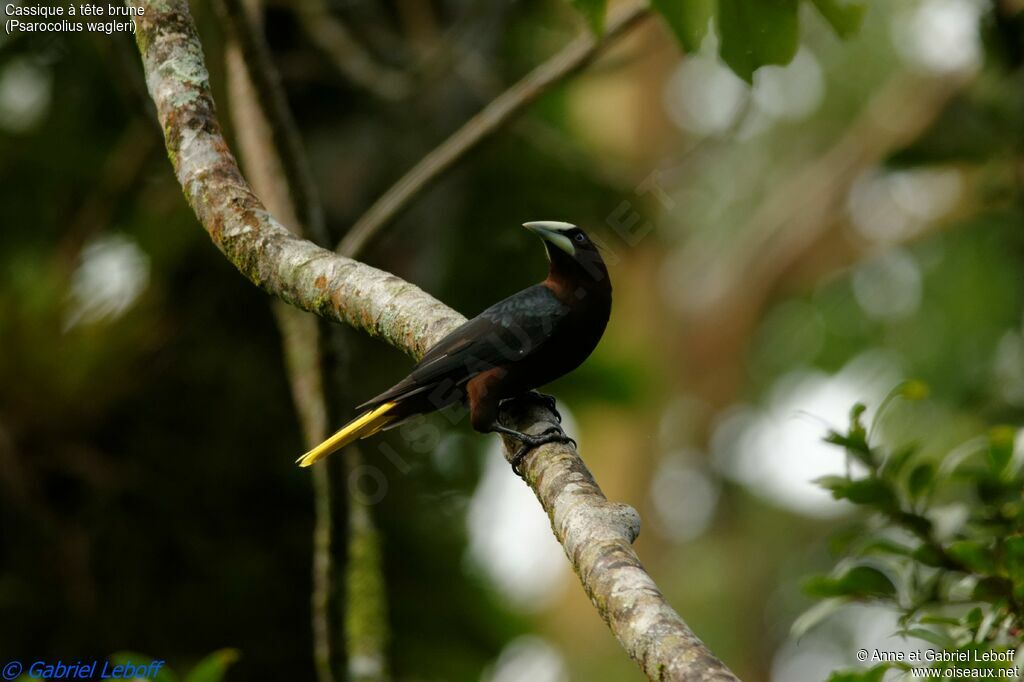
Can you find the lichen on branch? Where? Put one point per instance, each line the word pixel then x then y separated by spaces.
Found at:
pixel 273 258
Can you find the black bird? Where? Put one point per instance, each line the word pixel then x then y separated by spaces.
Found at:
pixel 521 343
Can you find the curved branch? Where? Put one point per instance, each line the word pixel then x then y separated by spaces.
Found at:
pixel 503 108
pixel 596 534
pixel 262 136
pixel 245 25
pixel 266 136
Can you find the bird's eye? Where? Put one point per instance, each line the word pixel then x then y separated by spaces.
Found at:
pixel 580 237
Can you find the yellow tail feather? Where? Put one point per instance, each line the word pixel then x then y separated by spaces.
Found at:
pixel 362 426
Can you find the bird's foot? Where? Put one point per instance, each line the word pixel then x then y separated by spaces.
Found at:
pixel 546 400
pixel 555 434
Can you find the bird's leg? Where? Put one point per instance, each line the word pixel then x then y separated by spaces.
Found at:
pixel 555 434
pixel 547 401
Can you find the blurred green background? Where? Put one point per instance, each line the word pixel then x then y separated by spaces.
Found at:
pixel 778 253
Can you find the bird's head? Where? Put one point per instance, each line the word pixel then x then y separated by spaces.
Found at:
pixel 569 249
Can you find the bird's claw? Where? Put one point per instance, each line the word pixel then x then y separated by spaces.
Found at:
pixel 547 401
pixel 555 434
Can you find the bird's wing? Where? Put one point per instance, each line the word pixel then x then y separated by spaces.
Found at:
pixel 505 333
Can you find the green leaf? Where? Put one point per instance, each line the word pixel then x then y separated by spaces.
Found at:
pixel 845 16
pixel 929 556
pixel 856 440
pixel 884 546
pixel 936 638
pixel 858 582
pixel 977 556
pixel 895 462
pixel 992 589
pixel 874 674
pixel 1000 450
pixel 846 539
pixel 213 667
pixel 872 492
pixel 1014 546
pixel 687 19
pixel 832 482
pixel 920 478
pixel 593 11
pixel 757 32
pixel 855 444
pixel 814 615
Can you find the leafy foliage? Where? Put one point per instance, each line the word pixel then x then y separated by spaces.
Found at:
pixel 688 21
pixel 845 16
pixel 956 585
pixel 752 33
pixel 755 33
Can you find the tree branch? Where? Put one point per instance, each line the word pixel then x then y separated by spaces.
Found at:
pixel 264 131
pixel 262 135
pixel 334 39
pixel 502 109
pixel 595 533
pixel 284 134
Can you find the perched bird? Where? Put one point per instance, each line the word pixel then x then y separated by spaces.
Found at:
pixel 519 344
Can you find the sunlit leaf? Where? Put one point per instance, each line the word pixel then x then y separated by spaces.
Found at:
pixel 687 19
pixel 755 33
pixel 845 16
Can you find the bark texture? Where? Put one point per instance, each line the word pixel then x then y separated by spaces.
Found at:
pixel 597 535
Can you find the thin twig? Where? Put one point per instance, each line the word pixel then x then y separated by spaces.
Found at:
pixel 597 535
pixel 256 121
pixel 283 129
pixel 366 629
pixel 302 338
pixel 502 109
pixel 334 39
